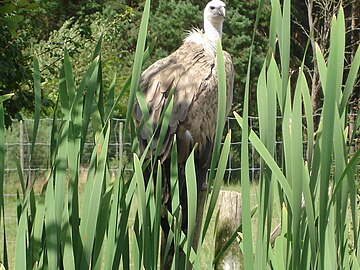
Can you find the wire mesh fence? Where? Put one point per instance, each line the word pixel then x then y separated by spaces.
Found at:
pixel 19 139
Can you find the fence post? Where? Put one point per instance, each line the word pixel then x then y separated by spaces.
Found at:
pixel 252 155
pixel 21 146
pixel 121 145
pixel 351 119
pixel 230 154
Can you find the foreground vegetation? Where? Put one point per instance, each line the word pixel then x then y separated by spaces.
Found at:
pixel 315 193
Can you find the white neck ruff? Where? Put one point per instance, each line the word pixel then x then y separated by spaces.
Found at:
pixel 212 33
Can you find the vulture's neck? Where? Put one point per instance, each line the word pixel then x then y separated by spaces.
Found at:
pixel 212 31
pixel 208 38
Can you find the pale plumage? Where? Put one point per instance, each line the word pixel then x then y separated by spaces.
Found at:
pixel 192 71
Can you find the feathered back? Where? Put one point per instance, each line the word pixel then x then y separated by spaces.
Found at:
pixel 192 70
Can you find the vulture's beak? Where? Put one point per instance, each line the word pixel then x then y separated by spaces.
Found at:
pixel 221 11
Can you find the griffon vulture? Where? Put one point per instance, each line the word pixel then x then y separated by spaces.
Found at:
pixel 192 72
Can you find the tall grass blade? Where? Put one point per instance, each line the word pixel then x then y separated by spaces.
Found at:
pixel 266 92
pixel 147 232
pixel 101 227
pixel 157 218
pixel 332 83
pixel 110 98
pixel 280 258
pixel 310 213
pixel 221 109
pixel 60 176
pixel 35 242
pixel 138 59
pixel 330 249
pixel 340 159
pixel 262 233
pixel 245 184
pixel 217 183
pixel 297 167
pixel 113 223
pixel 275 22
pixel 350 81
pixel 141 222
pixel 90 218
pixel 267 119
pixel 90 84
pixel 51 227
pixel 21 239
pixel 69 79
pixel 174 181
pixel 67 241
pixel 63 95
pixel 309 119
pixel 355 264
pixel 322 67
pixel 165 120
pixel 339 39
pixel 122 244
pixel 191 189
pixel 284 45
pixel 37 107
pixel 139 178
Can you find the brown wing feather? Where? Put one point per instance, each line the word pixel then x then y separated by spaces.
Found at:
pixel 193 74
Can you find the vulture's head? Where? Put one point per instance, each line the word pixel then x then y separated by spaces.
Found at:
pixel 215 12
pixel 214 15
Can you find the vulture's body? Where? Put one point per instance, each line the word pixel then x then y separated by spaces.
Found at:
pixel 192 71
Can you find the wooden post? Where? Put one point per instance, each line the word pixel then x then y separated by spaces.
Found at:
pixel 121 145
pixel 21 146
pixel 229 219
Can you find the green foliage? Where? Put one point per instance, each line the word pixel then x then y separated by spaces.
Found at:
pixel 25 23
pixel 14 64
pixel 50 16
pixel 237 40
pixel 169 23
pixel 12 13
pixel 119 39
pixel 14 75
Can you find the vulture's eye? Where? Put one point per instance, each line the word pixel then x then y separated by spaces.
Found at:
pixel 212 7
